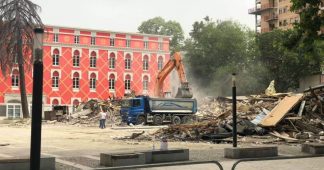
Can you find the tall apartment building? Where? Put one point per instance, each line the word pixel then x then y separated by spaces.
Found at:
pixel 271 14
pixel 83 64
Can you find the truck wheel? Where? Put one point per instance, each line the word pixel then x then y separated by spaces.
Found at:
pixel 186 119
pixel 140 120
pixel 157 120
pixel 176 120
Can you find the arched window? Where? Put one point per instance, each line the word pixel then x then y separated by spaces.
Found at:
pixel 93 81
pixel 128 62
pixel 112 60
pixel 93 59
pixel 55 102
pixel 56 55
pixel 127 82
pixel 55 79
pixel 112 82
pixel 145 62
pixel 76 58
pixel 15 78
pixel 76 102
pixel 160 63
pixel 145 83
pixel 76 80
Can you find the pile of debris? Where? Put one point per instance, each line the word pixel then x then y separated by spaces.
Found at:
pixel 287 116
pixel 87 113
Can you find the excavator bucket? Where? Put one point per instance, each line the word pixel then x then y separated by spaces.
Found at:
pixel 184 91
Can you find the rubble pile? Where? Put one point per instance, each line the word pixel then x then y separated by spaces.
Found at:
pixel 285 116
pixel 87 113
pixel 220 108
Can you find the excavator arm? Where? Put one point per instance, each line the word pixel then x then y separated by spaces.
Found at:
pixel 174 63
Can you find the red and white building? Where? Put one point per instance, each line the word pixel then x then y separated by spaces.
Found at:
pixel 84 64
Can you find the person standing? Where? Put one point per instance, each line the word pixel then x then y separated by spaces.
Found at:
pixel 103 116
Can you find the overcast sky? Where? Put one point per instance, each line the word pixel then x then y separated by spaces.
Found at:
pixel 127 15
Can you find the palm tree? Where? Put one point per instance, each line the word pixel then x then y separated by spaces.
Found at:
pixel 18 18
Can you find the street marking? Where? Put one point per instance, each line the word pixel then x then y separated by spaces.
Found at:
pixel 5 155
pixel 91 157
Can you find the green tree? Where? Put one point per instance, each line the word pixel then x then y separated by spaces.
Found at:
pixel 311 19
pixel 159 26
pixel 217 49
pixel 286 59
pixel 18 18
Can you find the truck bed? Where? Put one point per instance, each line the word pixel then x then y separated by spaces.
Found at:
pixel 159 105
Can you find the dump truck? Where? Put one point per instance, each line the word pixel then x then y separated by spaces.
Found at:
pixel 147 110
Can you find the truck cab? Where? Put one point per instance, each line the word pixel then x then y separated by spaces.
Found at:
pixel 133 110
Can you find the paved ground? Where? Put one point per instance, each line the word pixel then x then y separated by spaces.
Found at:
pixel 79 148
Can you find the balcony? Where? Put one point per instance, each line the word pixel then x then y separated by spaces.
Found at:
pixel 270 17
pixel 261 8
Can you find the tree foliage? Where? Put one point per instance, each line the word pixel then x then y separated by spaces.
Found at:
pixel 311 18
pixel 160 26
pixel 18 18
pixel 216 50
pixel 286 58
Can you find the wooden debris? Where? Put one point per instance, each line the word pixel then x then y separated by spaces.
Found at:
pixel 278 113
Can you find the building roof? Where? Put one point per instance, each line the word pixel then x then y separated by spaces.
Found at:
pixel 108 31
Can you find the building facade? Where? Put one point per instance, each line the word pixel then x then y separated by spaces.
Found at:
pixel 84 64
pixel 272 14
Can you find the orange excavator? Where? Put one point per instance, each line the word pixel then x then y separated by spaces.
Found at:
pixel 184 91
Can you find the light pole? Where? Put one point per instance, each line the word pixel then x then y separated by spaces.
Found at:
pixel 234 109
pixel 36 124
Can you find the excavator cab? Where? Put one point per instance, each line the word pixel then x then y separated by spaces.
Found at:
pixel 184 91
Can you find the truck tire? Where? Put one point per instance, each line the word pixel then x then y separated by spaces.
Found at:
pixel 186 119
pixel 157 120
pixel 140 120
pixel 176 120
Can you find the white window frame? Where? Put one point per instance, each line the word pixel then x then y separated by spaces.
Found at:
pixel 112 64
pixel 76 83
pixel 14 110
pixel 76 58
pixel 93 40
pixel 128 43
pixel 80 77
pixel 160 46
pixel 128 63
pixel 160 64
pixel 93 84
pixel 15 82
pixel 112 42
pixel 55 82
pixel 55 37
pixel 93 61
pixel 112 83
pixel 76 39
pixel 146 44
pixel 146 64
pixel 115 74
pixel 56 59
pixel 55 98
pixel 145 85
pixel 127 84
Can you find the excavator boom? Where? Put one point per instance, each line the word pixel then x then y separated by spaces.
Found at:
pixel 184 90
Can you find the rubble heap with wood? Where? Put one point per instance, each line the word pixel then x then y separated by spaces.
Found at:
pixel 87 113
pixel 286 116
